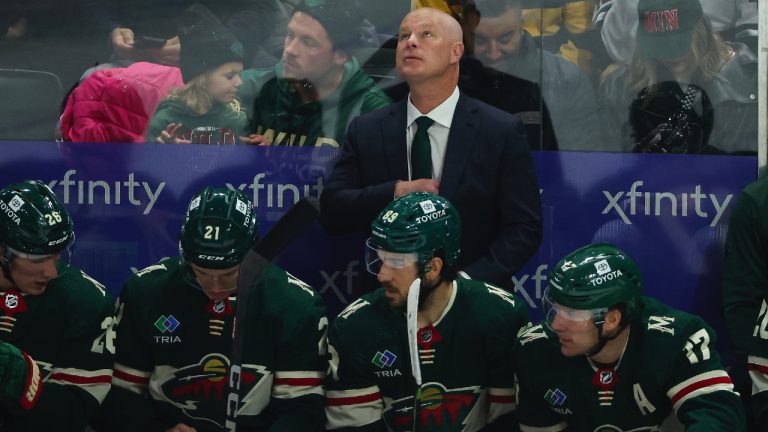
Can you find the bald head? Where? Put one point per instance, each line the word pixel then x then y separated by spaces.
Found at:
pixel 450 26
pixel 429 48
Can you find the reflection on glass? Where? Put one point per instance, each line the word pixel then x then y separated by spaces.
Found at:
pixel 502 44
pixel 205 109
pixel 700 89
pixel 310 97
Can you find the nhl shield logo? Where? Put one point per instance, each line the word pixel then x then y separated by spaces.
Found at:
pixel 426 336
pixel 11 301
pixel 606 377
pixel 218 306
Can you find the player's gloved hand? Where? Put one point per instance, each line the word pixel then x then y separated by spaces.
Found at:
pixel 19 376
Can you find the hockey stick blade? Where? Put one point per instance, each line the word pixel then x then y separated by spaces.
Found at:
pixel 283 233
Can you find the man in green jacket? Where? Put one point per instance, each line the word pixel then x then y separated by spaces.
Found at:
pixel 310 97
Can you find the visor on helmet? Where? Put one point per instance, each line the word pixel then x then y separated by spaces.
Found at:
pixel 200 279
pixel 569 317
pixel 63 257
pixel 375 258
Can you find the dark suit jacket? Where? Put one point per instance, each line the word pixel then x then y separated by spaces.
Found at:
pixel 488 174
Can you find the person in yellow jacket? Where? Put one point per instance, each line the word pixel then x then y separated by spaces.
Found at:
pixel 566 25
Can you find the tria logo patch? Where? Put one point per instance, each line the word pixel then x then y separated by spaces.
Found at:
pixel 382 359
pixel 555 397
pixel 167 324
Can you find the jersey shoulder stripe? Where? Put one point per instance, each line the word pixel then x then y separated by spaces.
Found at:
pixel 701 384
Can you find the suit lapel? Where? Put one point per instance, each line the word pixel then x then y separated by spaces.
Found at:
pixel 394 142
pixel 461 143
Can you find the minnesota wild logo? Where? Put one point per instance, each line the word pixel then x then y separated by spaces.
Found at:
pixel 198 389
pixel 439 409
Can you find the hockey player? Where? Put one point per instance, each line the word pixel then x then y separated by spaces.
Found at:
pixel 174 335
pixel 56 338
pixel 745 295
pixel 460 333
pixel 607 358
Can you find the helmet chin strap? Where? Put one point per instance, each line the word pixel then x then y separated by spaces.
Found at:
pixel 602 339
pixel 5 263
pixel 426 290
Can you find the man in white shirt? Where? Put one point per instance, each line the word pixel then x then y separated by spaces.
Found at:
pixel 471 153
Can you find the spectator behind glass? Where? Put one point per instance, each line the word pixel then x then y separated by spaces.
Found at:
pixel 502 43
pixel 676 43
pixel 205 110
pixel 565 26
pixel 310 97
pixel 146 30
pixel 734 20
pixel 49 35
pixel 665 120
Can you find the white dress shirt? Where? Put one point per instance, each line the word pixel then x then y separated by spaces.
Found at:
pixel 438 132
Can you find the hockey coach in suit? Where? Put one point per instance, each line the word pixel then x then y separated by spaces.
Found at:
pixel 441 141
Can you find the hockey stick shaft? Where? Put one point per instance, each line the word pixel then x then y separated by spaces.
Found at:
pixel 291 225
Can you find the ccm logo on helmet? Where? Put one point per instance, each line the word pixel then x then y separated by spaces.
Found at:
pixel 211 257
pixel 431 216
pixel 607 277
pixel 55 242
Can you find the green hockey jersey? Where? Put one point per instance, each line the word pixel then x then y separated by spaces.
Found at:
pixel 222 124
pixel 68 331
pixel 745 290
pixel 279 113
pixel 669 365
pixel 174 343
pixel 465 360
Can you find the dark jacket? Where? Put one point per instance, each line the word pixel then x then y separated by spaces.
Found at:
pixel 568 94
pixel 488 175
pixel 514 95
pixel 732 93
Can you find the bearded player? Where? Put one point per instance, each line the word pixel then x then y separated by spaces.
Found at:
pixel 460 338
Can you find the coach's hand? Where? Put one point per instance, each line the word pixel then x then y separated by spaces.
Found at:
pixel 421 185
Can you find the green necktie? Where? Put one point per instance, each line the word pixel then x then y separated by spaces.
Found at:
pixel 421 150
